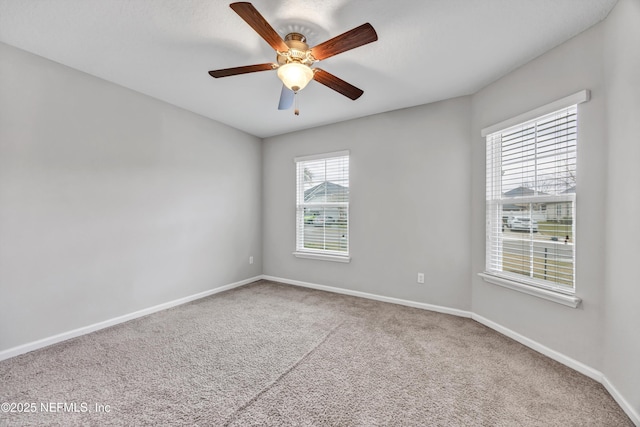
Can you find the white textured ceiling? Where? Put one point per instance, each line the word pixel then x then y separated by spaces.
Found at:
pixel 428 50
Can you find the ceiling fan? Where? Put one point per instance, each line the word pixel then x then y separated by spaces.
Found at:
pixel 294 57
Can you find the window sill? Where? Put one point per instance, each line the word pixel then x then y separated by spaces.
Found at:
pixel 322 257
pixel 568 300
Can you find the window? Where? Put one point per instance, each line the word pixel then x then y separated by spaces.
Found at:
pixel 322 206
pixel 530 203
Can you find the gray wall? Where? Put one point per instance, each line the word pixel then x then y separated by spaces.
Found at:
pixel 409 207
pixel 622 286
pixel 112 202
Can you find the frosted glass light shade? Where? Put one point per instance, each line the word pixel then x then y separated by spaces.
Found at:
pixel 295 76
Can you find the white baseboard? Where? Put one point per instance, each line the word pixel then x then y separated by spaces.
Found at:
pixel 624 404
pixel 408 303
pixel 25 348
pixel 565 360
pixel 557 356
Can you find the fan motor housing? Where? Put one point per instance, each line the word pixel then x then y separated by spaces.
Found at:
pixel 298 50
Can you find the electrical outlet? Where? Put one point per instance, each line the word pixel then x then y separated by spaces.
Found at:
pixel 420 277
pixel 251 260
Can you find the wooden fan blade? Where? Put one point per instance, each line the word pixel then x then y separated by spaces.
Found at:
pixel 350 40
pixel 286 98
pixel 252 17
pixel 339 85
pixel 226 72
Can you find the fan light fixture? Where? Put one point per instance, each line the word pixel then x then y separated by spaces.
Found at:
pixel 295 75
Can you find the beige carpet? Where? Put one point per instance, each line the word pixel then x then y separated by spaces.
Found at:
pixel 270 354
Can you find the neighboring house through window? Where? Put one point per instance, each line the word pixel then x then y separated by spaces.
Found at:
pixel 322 206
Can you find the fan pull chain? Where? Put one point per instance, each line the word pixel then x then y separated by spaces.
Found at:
pixel 296 109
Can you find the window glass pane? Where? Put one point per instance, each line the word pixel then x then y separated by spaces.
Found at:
pixel 537 241
pixel 326 180
pixel 325 228
pixel 323 210
pixel 540 158
pixel 531 186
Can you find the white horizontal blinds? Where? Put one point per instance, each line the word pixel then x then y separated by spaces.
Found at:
pixel 531 187
pixel 540 156
pixel 323 205
pixel 494 203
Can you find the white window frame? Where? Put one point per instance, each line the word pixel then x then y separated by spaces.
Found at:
pixel 522 284
pixel 318 254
